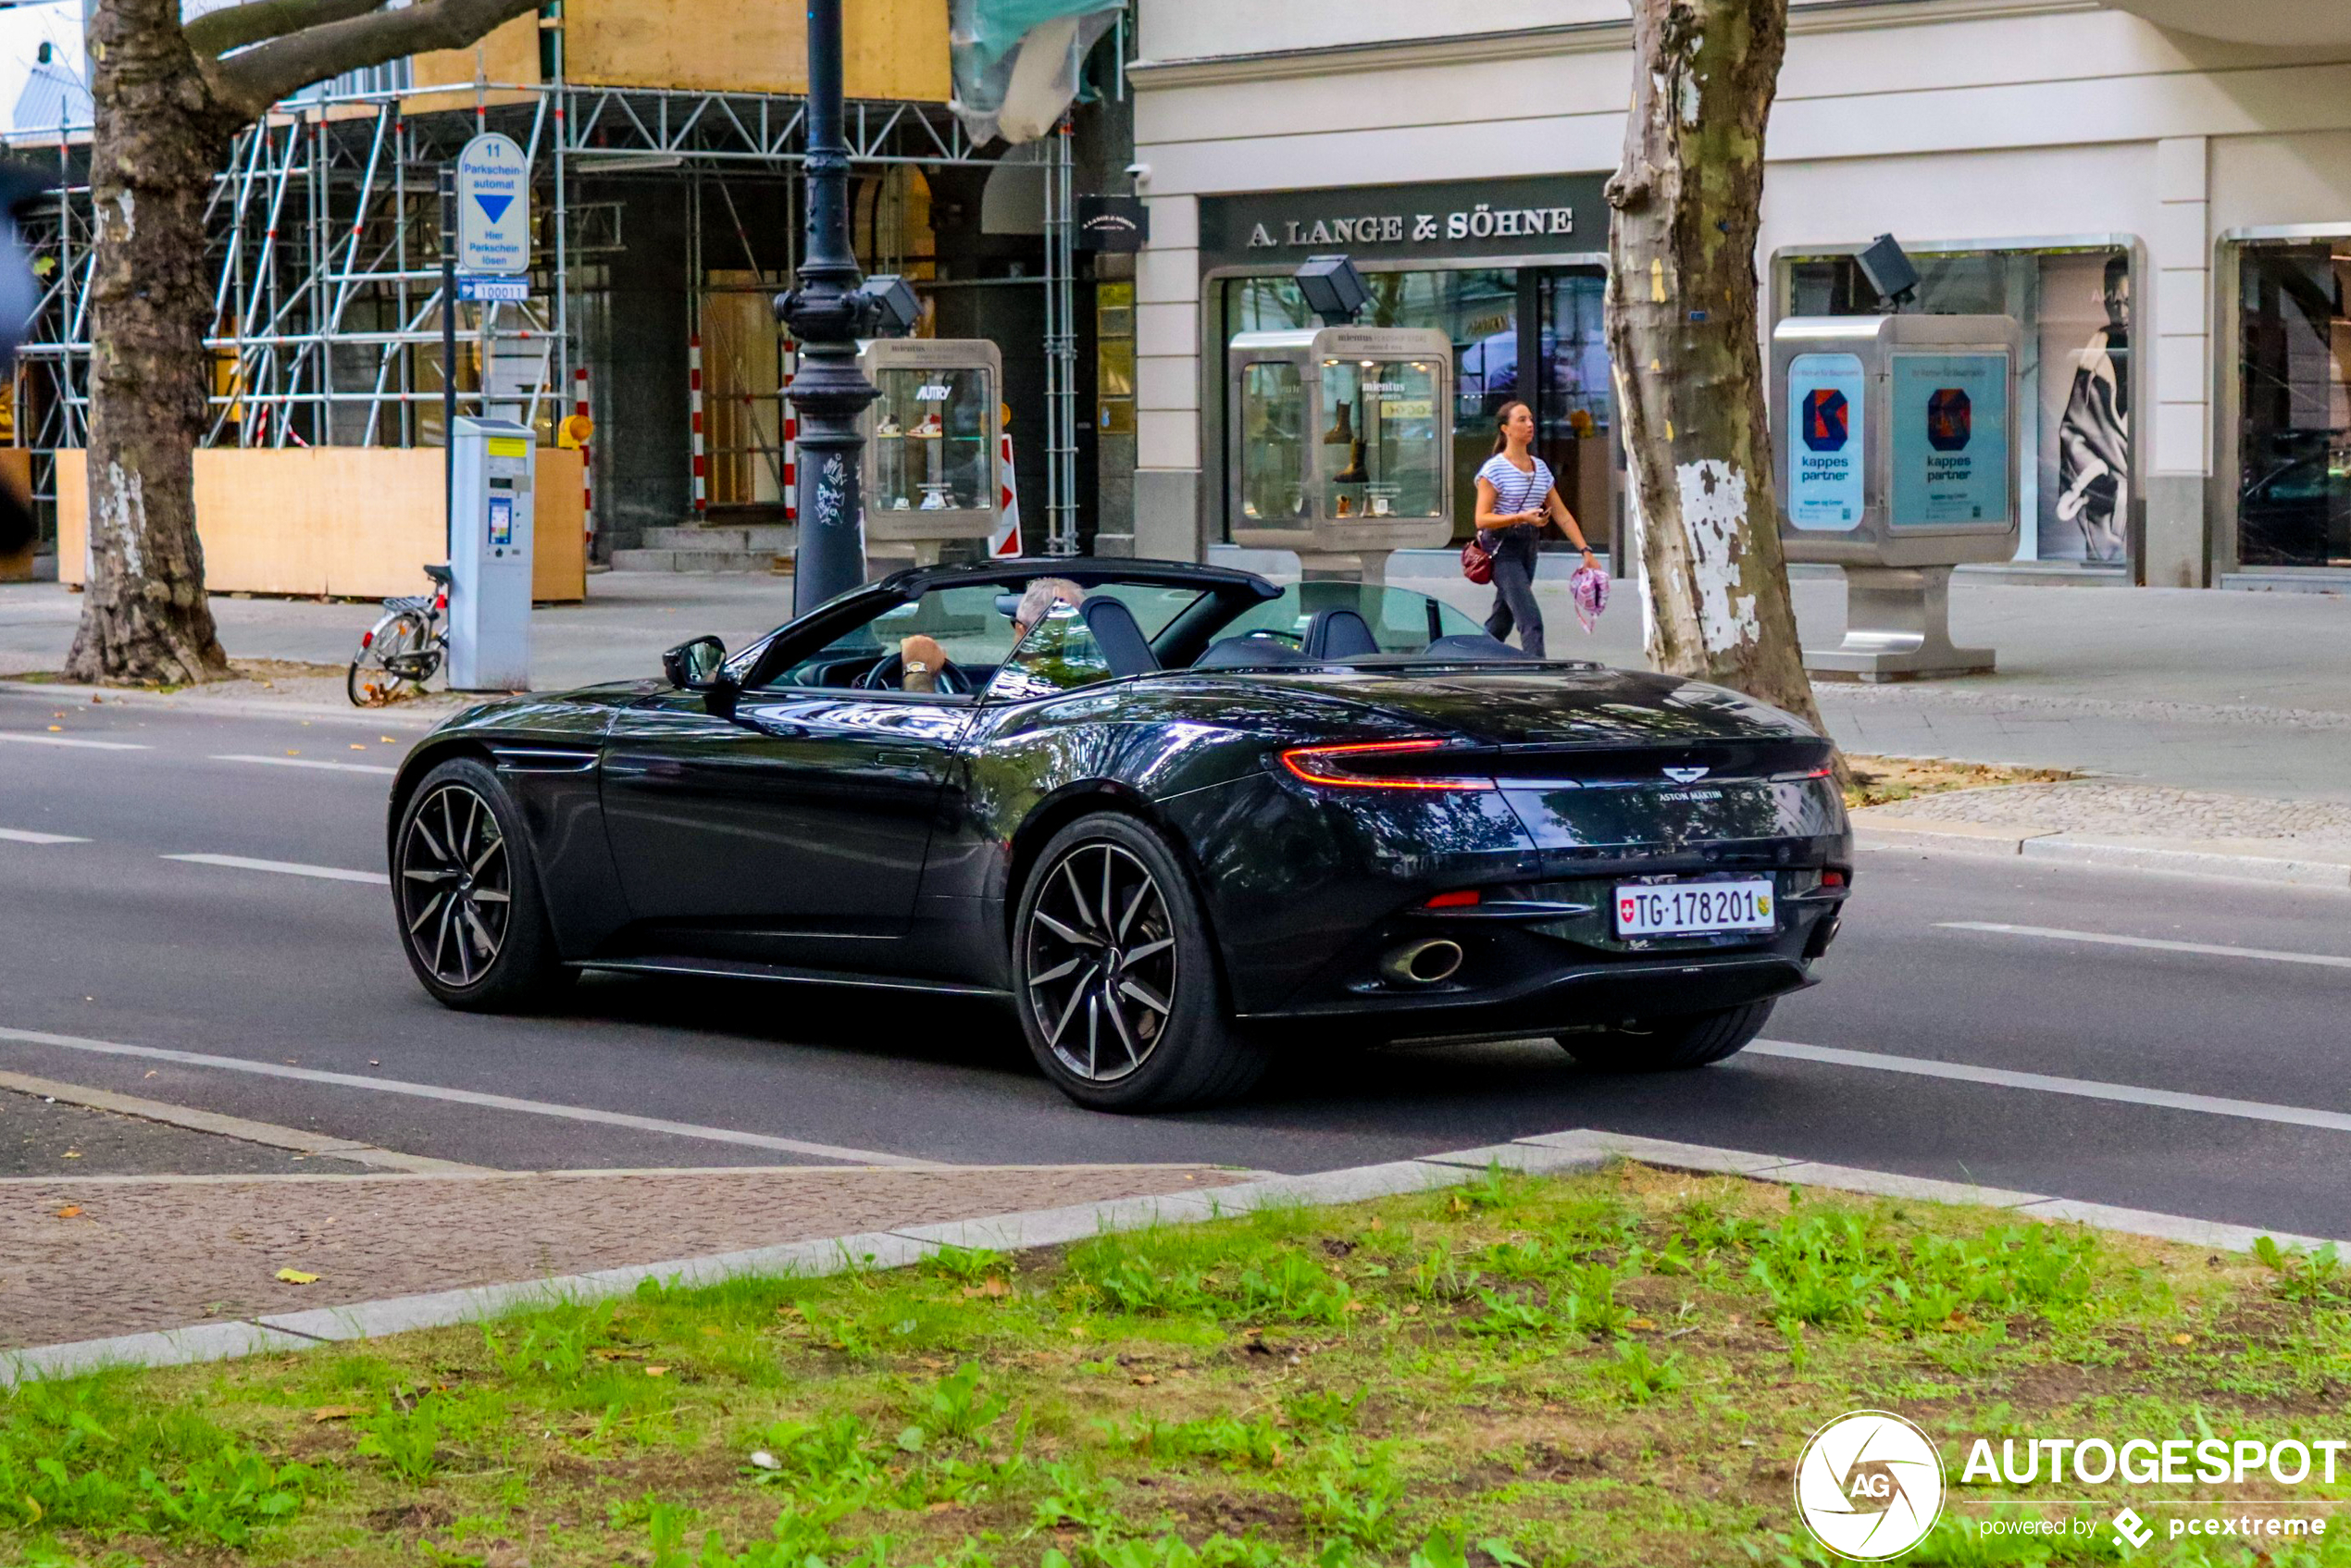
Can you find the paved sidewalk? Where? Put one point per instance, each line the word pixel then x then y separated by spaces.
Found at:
pixel 85 1260
pixel 2240 693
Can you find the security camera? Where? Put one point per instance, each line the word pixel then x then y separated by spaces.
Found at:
pixel 1140 173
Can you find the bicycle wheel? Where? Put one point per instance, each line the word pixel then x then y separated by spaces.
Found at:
pixel 375 675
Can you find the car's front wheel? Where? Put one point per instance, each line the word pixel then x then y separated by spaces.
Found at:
pixel 472 917
pixel 1116 978
pixel 1665 1044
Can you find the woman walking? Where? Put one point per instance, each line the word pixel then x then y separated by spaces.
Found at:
pixel 1515 495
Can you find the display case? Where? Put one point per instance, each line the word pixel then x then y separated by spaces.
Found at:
pixel 1342 443
pixel 931 440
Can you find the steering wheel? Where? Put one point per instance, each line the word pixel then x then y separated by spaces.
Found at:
pixel 888 674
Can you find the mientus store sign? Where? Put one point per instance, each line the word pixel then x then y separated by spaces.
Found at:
pixel 1470 220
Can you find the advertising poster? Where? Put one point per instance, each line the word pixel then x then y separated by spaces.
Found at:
pixel 1826 395
pixel 2085 407
pixel 1950 438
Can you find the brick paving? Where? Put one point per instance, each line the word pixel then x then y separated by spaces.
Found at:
pixel 149 1254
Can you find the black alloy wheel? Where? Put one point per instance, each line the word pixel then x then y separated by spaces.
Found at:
pixel 470 915
pixel 1118 984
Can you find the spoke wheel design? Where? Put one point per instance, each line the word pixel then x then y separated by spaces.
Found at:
pixel 1100 962
pixel 456 884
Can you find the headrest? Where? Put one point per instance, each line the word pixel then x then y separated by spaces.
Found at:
pixel 1124 646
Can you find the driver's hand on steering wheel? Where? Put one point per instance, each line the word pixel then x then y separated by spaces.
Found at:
pixel 921 657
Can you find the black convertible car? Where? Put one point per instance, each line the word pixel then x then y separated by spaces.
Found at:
pixel 1179 825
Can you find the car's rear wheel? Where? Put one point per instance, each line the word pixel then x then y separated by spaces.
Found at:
pixel 473 920
pixel 1116 978
pixel 1687 1040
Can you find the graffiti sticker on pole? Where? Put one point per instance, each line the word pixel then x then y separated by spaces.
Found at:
pixel 493 206
pixel 1826 474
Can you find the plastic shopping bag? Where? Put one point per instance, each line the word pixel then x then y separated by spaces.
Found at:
pixel 1589 587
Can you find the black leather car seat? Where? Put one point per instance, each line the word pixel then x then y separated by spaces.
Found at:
pixel 1248 652
pixel 1124 648
pixel 1338 634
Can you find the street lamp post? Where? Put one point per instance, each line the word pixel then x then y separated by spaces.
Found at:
pixel 825 311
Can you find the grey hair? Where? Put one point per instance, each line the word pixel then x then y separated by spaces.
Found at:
pixel 1042 595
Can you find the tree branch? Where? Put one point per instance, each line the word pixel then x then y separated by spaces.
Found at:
pixel 250 82
pixel 233 27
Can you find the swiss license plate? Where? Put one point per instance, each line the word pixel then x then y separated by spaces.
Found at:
pixel 1689 909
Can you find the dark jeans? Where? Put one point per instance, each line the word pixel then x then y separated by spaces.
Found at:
pixel 1515 589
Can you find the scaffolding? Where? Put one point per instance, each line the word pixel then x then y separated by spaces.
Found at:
pixel 324 235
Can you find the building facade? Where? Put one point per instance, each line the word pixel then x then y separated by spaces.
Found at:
pixel 2160 191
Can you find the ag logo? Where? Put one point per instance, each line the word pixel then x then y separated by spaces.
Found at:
pixel 1868 1486
pixel 1826 419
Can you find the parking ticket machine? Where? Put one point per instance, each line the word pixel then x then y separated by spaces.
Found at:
pixel 489 556
pixel 1342 444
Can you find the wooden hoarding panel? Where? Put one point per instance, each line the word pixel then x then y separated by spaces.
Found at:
pixel 347 522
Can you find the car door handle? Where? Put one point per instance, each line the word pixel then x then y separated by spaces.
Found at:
pixel 899 759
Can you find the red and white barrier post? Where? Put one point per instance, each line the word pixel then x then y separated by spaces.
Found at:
pixel 702 462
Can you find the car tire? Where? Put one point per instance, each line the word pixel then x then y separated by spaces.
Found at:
pixel 1146 1027
pixel 1670 1044
pixel 464 951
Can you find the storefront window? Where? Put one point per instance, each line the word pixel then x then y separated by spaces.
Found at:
pixel 2294 435
pixel 2075 306
pixel 1383 416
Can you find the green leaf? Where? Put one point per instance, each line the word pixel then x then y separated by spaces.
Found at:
pixel 911 1440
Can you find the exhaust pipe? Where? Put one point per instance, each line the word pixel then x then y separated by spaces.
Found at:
pixel 1423 963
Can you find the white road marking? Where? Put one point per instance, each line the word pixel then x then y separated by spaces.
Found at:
pixel 468 1097
pixel 31 738
pixel 2216 950
pixel 27 836
pixel 284 868
pixel 310 762
pixel 2042 1083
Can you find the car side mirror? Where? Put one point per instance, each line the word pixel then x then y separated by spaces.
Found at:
pixel 696 666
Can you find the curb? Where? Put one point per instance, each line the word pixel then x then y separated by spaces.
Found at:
pixel 2242 860
pixel 1558 1153
pixel 234 707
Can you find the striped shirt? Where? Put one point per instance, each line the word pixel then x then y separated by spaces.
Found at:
pixel 1515 492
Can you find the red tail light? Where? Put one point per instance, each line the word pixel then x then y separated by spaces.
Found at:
pixel 1459 898
pixel 1377 765
pixel 1832 878
pixel 367 639
pixel 441 600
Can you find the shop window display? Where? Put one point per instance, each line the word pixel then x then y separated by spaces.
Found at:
pixel 1496 318
pixel 1384 413
pixel 931 435
pixel 2074 307
pixel 2294 432
pixel 1273 436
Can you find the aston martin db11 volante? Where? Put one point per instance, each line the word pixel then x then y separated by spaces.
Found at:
pixel 1182 823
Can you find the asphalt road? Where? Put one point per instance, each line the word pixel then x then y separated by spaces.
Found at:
pixel 2165 1078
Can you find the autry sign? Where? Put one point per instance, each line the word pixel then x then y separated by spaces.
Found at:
pixel 1551 214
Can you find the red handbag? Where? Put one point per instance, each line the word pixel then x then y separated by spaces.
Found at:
pixel 1477 562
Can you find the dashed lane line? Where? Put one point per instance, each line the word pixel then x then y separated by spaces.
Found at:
pixel 283 868
pixel 27 836
pixel 308 761
pixel 32 739
pixel 2158 944
pixel 469 1096
pixel 2042 1083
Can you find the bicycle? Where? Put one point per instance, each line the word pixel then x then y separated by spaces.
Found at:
pixel 407 645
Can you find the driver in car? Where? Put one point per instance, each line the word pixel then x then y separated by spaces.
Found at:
pixel 922 655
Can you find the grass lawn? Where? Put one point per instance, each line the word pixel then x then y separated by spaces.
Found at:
pixel 1878 781
pixel 1618 1368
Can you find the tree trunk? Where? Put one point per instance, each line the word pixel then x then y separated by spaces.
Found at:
pixel 1682 332
pixel 159 141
